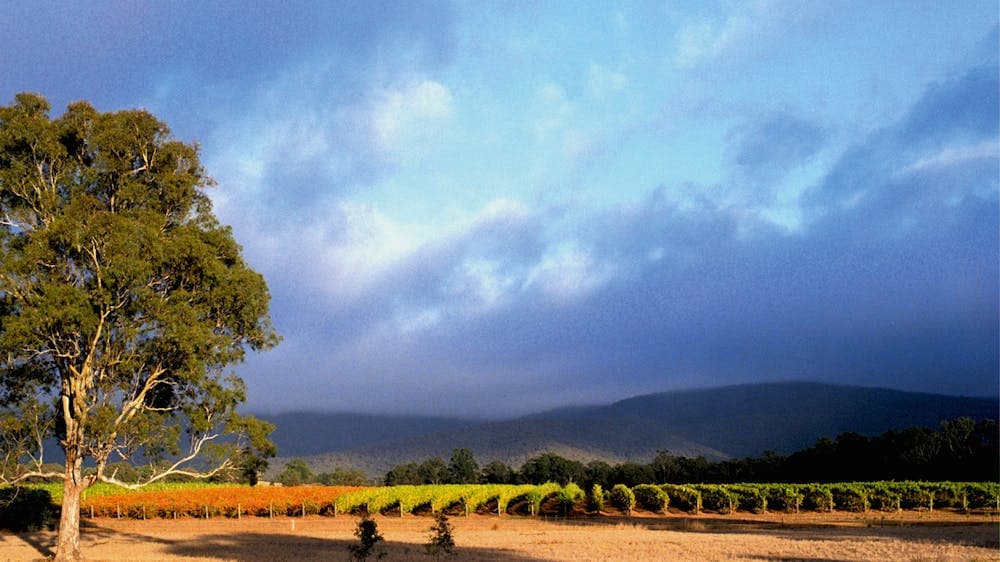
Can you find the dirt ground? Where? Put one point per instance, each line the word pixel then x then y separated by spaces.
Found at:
pixel 770 537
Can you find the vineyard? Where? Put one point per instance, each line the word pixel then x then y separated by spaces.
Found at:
pixel 233 501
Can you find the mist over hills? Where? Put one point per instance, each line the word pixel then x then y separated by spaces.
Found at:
pixel 731 421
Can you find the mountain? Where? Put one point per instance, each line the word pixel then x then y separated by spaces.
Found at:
pixel 746 420
pixel 732 421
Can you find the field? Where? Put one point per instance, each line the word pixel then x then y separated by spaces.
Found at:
pixel 904 535
pixel 853 521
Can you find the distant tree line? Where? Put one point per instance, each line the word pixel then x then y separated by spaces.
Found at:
pixel 961 450
pixel 298 473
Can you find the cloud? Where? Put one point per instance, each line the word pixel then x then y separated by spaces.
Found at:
pixel 603 82
pixel 952 156
pixel 898 289
pixel 769 147
pixel 406 117
pixel 955 117
pixel 751 28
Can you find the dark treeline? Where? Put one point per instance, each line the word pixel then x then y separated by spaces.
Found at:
pixel 961 450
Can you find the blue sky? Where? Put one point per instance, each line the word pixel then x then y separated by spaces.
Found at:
pixel 490 208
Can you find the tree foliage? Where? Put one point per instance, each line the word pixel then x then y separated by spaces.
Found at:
pixel 296 473
pixel 463 468
pixel 961 450
pixel 122 303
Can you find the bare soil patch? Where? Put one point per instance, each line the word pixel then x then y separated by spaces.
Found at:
pixel 768 537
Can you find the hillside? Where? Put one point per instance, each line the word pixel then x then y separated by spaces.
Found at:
pixel 732 421
pixel 785 417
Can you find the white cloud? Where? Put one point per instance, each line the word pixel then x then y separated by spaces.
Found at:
pixel 555 111
pixel 953 156
pixel 603 82
pixel 568 272
pixel 407 116
pixel 702 40
pixel 697 41
pixel 482 283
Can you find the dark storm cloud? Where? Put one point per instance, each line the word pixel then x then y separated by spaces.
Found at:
pixel 893 282
pixel 768 147
pixel 73 50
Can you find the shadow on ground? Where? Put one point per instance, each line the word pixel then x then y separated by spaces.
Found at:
pixel 269 546
pixel 974 533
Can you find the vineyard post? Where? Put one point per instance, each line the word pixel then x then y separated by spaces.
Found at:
pixel 303 508
pixel 118 510
pixel 238 509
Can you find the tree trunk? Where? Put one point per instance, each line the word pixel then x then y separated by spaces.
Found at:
pixel 68 543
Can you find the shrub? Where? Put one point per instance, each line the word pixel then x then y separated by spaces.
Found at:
pixel 623 498
pixel 945 494
pixel 368 539
pixel 912 495
pixel 568 496
pixel 750 497
pixel 882 497
pixel 816 497
pixel 597 498
pixel 26 509
pixel 717 498
pixel 538 494
pixel 784 497
pixel 982 495
pixel 682 497
pixel 651 497
pixel 849 497
pixel 441 541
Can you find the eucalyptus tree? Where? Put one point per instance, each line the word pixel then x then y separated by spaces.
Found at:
pixel 123 304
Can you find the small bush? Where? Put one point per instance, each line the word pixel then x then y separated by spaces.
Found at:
pixel 750 497
pixel 850 497
pixel 597 498
pixel 913 496
pixel 982 495
pixel 651 498
pixel 623 498
pixel 26 509
pixel 682 497
pixel 881 497
pixel 441 541
pixel 368 539
pixel 568 496
pixel 784 497
pixel 717 498
pixel 816 497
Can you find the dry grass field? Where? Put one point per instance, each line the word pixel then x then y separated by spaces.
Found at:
pixel 770 537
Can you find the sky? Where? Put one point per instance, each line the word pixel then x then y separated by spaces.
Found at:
pixel 490 208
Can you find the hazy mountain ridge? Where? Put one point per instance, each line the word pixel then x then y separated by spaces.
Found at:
pixel 735 421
